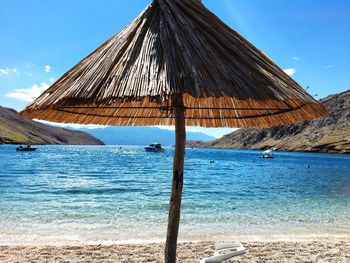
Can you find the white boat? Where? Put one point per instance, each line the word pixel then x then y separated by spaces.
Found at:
pixel 267 154
pixel 154 147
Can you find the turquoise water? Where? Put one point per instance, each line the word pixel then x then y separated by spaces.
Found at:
pixel 83 194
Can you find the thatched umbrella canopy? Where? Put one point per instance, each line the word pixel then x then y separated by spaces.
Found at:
pixel 176 64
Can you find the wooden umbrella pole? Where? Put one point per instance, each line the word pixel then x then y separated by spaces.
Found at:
pixel 177 182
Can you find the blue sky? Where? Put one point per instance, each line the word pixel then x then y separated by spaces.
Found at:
pixel 40 40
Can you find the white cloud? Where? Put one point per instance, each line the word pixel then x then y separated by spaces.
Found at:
pixel 47 68
pixel 170 128
pixel 296 58
pixel 190 129
pixel 290 71
pixel 52 80
pixel 73 125
pixel 28 95
pixel 330 66
pixel 6 71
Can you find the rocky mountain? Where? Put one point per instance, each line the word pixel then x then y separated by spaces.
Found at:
pixel 329 134
pixel 16 130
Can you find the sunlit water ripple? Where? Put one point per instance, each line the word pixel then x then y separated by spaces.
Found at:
pixel 90 194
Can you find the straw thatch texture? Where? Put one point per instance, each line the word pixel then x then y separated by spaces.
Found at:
pixel 176 47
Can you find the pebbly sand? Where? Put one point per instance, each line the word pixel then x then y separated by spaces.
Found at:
pixel 301 251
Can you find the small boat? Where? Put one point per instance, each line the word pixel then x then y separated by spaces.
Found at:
pixel 267 154
pixel 27 148
pixel 154 147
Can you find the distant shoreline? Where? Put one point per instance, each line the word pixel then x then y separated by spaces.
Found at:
pixel 322 152
pixel 198 144
pixel 188 147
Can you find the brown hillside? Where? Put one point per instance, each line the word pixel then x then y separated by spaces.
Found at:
pixel 328 134
pixel 16 130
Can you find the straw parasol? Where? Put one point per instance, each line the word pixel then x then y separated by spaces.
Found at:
pixel 176 64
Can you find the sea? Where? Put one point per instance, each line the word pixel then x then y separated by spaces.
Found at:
pixel 120 194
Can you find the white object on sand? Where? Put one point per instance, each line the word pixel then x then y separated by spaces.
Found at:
pixel 219 256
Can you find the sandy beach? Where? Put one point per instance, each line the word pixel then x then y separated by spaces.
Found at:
pixel 326 250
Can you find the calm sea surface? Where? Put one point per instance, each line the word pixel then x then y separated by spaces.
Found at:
pixel 72 194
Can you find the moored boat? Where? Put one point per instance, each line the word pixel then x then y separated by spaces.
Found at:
pixel 27 148
pixel 154 147
pixel 267 154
